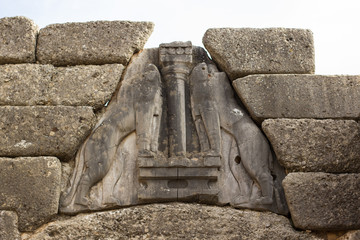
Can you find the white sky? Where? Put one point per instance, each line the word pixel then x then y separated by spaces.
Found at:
pixel 335 24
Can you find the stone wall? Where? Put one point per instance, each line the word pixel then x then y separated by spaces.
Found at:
pixel 56 82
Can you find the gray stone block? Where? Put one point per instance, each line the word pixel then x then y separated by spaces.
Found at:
pixel 300 96
pixel 309 145
pixel 34 84
pixel 24 84
pixel 31 187
pixel 99 42
pixel 173 221
pixel 43 130
pixel 243 51
pixel 17 40
pixel 84 85
pixel 323 201
pixel 9 226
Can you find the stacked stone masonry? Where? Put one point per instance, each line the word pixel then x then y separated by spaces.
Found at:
pixel 56 82
pixel 47 111
pixel 31 185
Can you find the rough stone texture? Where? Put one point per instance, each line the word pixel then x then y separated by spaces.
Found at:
pixel 43 130
pixel 9 226
pixel 99 42
pixel 84 85
pixel 125 161
pixel 173 221
pixel 24 84
pixel 300 96
pixel 323 201
pixel 243 51
pixel 351 235
pixel 17 40
pixel 34 84
pixel 66 170
pixel 31 187
pixel 309 145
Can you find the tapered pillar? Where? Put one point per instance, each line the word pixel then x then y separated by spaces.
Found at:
pixel 175 61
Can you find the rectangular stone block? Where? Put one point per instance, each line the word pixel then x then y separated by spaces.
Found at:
pixel 244 51
pixel 84 85
pixel 310 145
pixel 99 42
pixel 24 84
pixel 9 226
pixel 31 187
pixel 34 84
pixel 17 40
pixel 323 201
pixel 300 96
pixel 44 130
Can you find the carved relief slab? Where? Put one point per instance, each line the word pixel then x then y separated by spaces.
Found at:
pixel 175 131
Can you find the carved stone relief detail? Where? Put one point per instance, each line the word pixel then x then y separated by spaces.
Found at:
pixel 175 131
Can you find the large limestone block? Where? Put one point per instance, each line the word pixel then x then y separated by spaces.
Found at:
pixel 173 221
pixel 99 42
pixel 300 96
pixel 309 145
pixel 323 201
pixel 17 40
pixel 35 84
pixel 243 51
pixel 24 84
pixel 9 225
pixel 44 130
pixel 31 187
pixel 84 85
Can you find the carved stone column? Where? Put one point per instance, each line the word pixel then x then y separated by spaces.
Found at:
pixel 175 61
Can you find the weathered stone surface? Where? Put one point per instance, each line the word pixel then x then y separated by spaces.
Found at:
pixel 323 201
pixel 9 226
pixel 243 51
pixel 17 40
pixel 309 145
pixel 43 130
pixel 34 84
pixel 99 42
pixel 31 187
pixel 84 85
pixel 66 170
pixel 351 235
pixel 172 221
pixel 135 154
pixel 24 84
pixel 300 96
